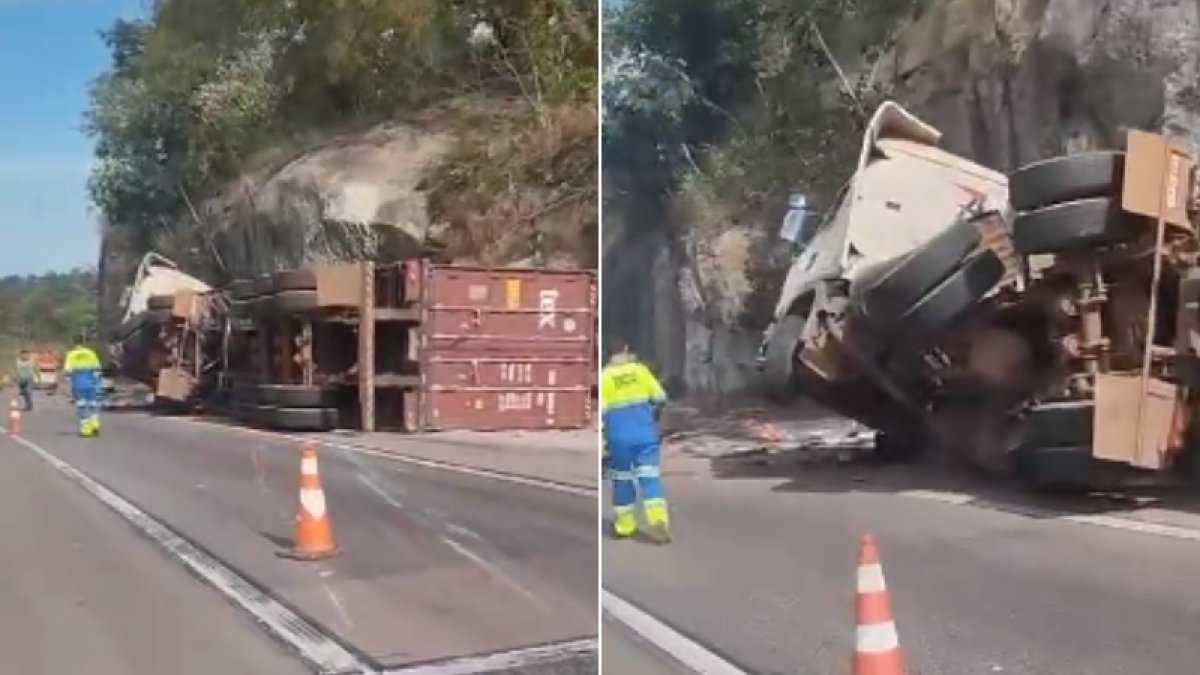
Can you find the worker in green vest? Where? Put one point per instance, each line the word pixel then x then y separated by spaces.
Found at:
pixel 27 375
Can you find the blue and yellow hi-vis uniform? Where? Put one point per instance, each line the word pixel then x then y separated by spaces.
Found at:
pixel 629 399
pixel 82 367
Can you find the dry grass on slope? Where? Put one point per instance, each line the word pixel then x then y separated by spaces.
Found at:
pixel 520 186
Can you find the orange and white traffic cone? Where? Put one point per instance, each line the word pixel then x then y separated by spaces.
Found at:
pixel 876 644
pixel 14 418
pixel 314 534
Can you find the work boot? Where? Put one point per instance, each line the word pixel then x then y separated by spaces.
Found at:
pixel 625 525
pixel 658 521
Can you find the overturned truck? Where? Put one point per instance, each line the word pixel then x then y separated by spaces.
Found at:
pixel 1045 323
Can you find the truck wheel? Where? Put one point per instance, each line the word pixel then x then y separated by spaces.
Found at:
pixel 166 302
pixel 242 289
pixel 304 419
pixel 779 367
pixel 901 444
pixel 296 395
pixel 901 287
pixel 1065 179
pixel 952 298
pixel 260 286
pixel 1059 424
pixel 294 280
pixel 294 302
pixel 1059 467
pixel 1084 223
pixel 157 316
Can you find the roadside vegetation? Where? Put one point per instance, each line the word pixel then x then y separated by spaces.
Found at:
pixel 715 110
pixel 47 310
pixel 205 90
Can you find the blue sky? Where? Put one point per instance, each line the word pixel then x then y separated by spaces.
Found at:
pixel 49 52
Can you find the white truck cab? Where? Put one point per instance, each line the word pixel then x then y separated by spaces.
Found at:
pixel 905 195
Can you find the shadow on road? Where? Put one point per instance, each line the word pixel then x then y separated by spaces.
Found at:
pixel 832 470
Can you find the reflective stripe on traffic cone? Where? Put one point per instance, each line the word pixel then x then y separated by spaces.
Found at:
pixel 314 535
pixel 876 644
pixel 14 418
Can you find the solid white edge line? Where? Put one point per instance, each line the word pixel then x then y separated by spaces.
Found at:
pixel 506 661
pixel 1110 522
pixel 518 479
pixel 310 642
pixel 678 646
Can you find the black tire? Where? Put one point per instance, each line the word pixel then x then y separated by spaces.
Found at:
pixel 1059 424
pixel 260 306
pixel 1065 179
pixel 304 419
pixel 1185 368
pixel 241 308
pixel 241 289
pixel 294 302
pixel 900 288
pixel 1085 223
pixel 128 328
pixel 157 317
pixel 952 298
pixel 1054 467
pixel 898 445
pixel 261 286
pixel 779 364
pixel 296 396
pixel 244 393
pixel 166 302
pixel 294 280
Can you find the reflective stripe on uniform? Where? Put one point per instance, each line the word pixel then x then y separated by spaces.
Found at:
pixel 623 475
pixel 647 471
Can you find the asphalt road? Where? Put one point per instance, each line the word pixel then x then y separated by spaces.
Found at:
pixel 434 564
pixel 81 592
pixel 762 573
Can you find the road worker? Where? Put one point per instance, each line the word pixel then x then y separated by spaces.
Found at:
pixel 82 366
pixel 27 375
pixel 630 401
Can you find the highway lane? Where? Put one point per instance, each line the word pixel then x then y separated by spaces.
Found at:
pixel 81 592
pixel 435 565
pixel 762 572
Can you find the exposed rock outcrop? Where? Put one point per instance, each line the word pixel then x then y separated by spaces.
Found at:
pixel 1013 81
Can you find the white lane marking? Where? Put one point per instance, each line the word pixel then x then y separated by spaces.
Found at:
pixel 382 494
pixel 463 531
pixel 307 640
pixel 679 647
pixel 337 604
pixel 493 570
pixel 260 477
pixel 567 488
pixel 1099 520
pixel 515 660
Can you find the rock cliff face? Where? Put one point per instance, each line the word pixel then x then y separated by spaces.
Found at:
pixel 1007 81
pixel 1013 81
pixel 348 198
